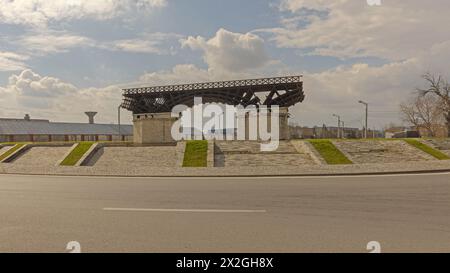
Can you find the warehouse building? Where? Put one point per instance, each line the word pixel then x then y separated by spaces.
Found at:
pixel 40 130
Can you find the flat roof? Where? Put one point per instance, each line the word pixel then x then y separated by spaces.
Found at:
pixel 45 127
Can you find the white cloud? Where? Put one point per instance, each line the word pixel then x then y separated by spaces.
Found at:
pixel 395 30
pixel 183 73
pixel 153 43
pixel 228 51
pixel 189 73
pixel 55 99
pixel 52 42
pixel 384 87
pixel 295 5
pixel 10 61
pixel 41 12
pixel 31 84
pixel 411 35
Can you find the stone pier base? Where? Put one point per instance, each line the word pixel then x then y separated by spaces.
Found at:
pixel 153 128
pixel 252 119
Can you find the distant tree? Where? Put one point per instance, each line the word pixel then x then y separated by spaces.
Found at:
pixel 440 89
pixel 423 112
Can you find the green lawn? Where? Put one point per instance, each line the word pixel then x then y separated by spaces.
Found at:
pixel 329 152
pixel 11 151
pixel 77 154
pixel 196 153
pixel 427 149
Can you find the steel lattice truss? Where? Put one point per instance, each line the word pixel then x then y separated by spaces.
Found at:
pixel 281 91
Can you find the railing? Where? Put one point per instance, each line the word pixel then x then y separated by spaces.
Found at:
pixel 214 85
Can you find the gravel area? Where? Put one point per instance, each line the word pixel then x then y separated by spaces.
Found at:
pixel 377 151
pixel 41 156
pixel 135 157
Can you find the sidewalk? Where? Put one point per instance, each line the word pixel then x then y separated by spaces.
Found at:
pixel 305 170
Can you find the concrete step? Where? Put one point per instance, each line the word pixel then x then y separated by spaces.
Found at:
pixel 252 147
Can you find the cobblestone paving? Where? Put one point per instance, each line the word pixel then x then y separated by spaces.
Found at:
pixel 378 151
pixel 248 153
pixel 41 156
pixel 438 165
pixel 135 157
pixel 440 144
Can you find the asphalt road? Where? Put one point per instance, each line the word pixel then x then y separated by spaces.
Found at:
pixel 405 213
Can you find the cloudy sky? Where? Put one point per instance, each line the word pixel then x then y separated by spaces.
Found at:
pixel 59 58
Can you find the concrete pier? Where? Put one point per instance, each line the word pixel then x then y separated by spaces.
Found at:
pixel 153 128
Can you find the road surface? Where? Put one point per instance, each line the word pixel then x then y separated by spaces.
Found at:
pixel 404 213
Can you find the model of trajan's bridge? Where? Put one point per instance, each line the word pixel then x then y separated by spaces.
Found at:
pixel 151 106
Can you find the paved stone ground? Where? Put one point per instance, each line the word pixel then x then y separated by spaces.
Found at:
pixel 143 171
pixel 377 151
pixel 41 156
pixel 122 164
pixel 248 153
pixel 135 157
pixel 440 144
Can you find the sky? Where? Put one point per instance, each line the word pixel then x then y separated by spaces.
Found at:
pixel 60 58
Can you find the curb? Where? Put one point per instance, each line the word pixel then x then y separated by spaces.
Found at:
pixel 309 150
pixel 441 171
pixel 210 153
pixel 181 147
pixel 89 154
pixel 67 154
pixel 17 153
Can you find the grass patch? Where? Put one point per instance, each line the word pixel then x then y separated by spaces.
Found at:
pixel 196 153
pixel 329 152
pixel 427 149
pixel 77 154
pixel 11 151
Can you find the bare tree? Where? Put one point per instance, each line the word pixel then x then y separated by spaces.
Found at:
pixel 439 88
pixel 423 112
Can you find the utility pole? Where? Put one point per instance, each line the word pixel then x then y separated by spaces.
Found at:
pixel 339 125
pixel 118 122
pixel 343 129
pixel 367 117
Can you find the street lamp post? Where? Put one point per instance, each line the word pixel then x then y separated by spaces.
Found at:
pixel 367 116
pixel 343 129
pixel 118 122
pixel 339 125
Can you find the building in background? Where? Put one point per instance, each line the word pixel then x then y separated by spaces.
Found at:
pixel 40 130
pixel 298 132
pixel 401 132
pixel 440 131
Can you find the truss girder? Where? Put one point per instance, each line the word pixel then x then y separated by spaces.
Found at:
pixel 282 91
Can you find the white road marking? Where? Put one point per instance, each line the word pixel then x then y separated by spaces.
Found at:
pixel 186 210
